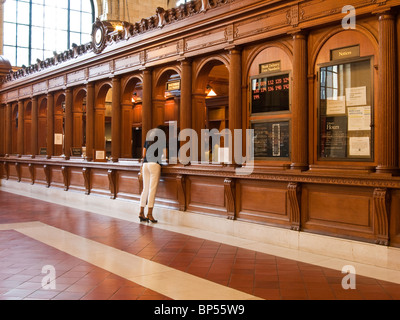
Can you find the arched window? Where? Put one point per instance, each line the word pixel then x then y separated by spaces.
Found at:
pixel 34 29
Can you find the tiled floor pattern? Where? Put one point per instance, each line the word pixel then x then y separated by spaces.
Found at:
pixel 247 271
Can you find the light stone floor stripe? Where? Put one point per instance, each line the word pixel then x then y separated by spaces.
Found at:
pixel 170 282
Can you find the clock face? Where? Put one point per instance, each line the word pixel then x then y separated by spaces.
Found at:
pixel 98 36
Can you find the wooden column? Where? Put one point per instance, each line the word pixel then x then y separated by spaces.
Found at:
pixel 185 114
pixel 299 104
pixel 235 94
pixel 387 125
pixel 146 103
pixel 21 125
pixel 8 132
pixel 34 127
pixel 50 125
pixel 2 130
pixel 68 124
pixel 89 121
pixel 116 119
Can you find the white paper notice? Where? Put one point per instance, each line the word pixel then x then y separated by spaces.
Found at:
pixel 58 139
pixel 223 155
pixel 359 118
pixel 100 155
pixel 356 96
pixel 336 106
pixel 359 146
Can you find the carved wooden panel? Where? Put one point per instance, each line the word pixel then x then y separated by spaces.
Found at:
pixel 24 173
pixel 206 39
pixel 167 192
pixel 127 185
pixel 99 182
pixel 263 202
pixel 206 195
pixel 39 175
pixel 57 177
pixel 76 180
pixel 348 211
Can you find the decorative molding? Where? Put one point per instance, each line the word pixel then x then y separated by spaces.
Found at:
pixel 31 172
pixel 112 185
pixel 230 192
pixel 86 179
pixel 47 173
pixel 294 195
pixel 18 170
pixel 6 169
pixel 381 214
pixel 64 171
pixel 180 181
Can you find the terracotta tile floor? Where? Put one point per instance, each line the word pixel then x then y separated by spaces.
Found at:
pixel 259 274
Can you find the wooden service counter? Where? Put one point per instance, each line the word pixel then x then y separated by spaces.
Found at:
pixel 317 81
pixel 363 206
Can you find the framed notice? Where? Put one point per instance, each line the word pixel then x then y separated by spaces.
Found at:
pixel 271 139
pixel 76 152
pixel 270 93
pixel 58 139
pixel 345 128
pixel 99 156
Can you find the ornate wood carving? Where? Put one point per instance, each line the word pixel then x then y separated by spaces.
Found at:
pixel 229 189
pixel 381 212
pixel 86 179
pixel 294 192
pixel 32 172
pixel 180 181
pixel 6 170
pixel 46 169
pixel 64 171
pixel 112 185
pixel 18 169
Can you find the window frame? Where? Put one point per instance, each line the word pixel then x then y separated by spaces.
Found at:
pixel 15 47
